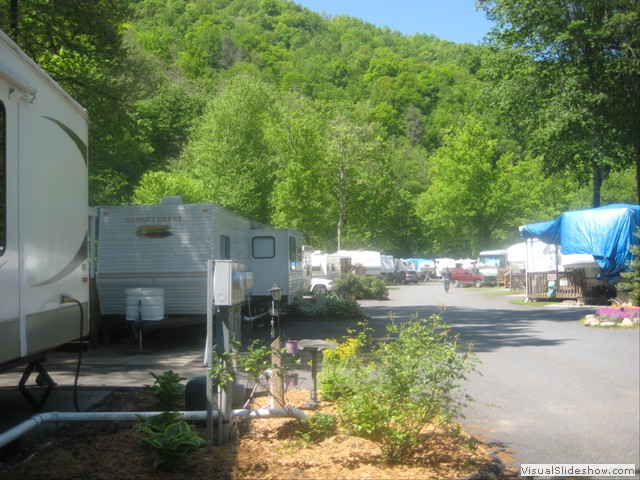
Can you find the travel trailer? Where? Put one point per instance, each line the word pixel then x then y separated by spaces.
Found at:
pixel 44 280
pixel 165 247
pixel 368 260
pixel 493 265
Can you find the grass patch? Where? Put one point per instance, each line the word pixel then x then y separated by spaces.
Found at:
pixel 495 292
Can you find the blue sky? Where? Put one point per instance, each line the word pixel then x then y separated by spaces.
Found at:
pixel 454 20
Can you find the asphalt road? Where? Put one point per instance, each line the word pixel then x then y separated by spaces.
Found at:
pixel 548 389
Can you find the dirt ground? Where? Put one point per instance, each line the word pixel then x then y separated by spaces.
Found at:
pixel 260 449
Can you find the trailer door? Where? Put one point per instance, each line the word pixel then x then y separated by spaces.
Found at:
pixel 9 249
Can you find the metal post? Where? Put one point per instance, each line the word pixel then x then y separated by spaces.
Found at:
pixel 224 394
pixel 277 380
pixel 209 349
pixel 314 377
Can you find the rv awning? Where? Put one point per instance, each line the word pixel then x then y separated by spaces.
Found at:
pixel 606 233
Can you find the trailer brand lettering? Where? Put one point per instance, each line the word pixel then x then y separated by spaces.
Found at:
pixel 160 218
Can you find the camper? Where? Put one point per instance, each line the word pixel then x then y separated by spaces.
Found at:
pixel 493 266
pixel 44 280
pixel 329 265
pixel 367 262
pixel 166 247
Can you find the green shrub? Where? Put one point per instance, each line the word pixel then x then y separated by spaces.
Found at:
pixel 388 391
pixel 168 389
pixel 333 306
pixel 170 437
pixel 317 428
pixel 362 287
pixel 341 368
pixel 631 279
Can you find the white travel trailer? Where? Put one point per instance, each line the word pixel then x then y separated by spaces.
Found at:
pixel 369 260
pixel 165 247
pixel 43 210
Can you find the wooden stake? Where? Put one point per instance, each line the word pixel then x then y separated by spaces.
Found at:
pixel 277 380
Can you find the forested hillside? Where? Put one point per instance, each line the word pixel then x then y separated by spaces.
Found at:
pixel 360 137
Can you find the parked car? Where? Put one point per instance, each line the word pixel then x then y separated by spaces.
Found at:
pixel 466 277
pixel 407 276
pixel 321 285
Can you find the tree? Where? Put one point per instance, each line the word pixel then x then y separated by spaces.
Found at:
pixel 455 205
pixel 585 71
pixel 229 151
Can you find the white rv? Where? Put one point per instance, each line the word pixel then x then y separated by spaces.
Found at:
pixel 367 260
pixel 166 246
pixel 43 210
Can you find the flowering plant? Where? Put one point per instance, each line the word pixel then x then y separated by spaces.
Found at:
pixel 617 314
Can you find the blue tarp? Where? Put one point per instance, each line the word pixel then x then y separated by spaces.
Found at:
pixel 606 233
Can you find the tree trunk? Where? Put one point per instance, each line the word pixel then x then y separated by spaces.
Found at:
pixel 598 177
pixel 638 171
pixel 14 30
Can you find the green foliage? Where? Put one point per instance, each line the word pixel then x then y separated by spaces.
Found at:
pixel 342 367
pixel 631 278
pixel 357 136
pixel 168 389
pixel 228 151
pixel 388 391
pixel 333 307
pixel 256 362
pixel 361 287
pixel 172 438
pixel 571 73
pixel 317 428
pixel 221 369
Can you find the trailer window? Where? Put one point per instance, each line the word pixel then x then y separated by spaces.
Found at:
pixel 3 181
pixel 264 247
pixel 225 247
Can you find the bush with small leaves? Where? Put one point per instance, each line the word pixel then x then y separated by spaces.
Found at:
pixel 388 391
pixel 317 427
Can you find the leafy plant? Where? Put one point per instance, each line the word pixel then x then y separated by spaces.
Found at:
pixel 317 428
pixel 333 306
pixel 631 279
pixel 341 367
pixel 388 391
pixel 221 369
pixel 256 362
pixel 168 389
pixel 360 286
pixel 170 437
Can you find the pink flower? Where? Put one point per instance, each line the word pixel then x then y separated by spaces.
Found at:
pixel 618 313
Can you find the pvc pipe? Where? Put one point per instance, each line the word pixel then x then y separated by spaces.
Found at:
pixel 199 415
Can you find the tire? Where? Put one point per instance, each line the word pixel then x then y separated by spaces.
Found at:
pixel 319 290
pixel 456 284
pixel 477 284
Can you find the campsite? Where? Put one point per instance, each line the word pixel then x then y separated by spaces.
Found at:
pixel 255 170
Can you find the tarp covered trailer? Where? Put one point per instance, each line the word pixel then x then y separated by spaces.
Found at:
pixel 598 236
pixel 43 210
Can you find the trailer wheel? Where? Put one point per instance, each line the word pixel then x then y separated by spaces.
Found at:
pixel 456 283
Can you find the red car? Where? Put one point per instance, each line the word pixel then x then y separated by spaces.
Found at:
pixel 466 277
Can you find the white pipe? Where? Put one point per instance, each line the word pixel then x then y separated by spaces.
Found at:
pixel 199 415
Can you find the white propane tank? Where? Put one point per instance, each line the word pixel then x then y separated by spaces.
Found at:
pixel 145 304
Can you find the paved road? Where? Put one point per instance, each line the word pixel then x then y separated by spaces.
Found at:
pixel 549 389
